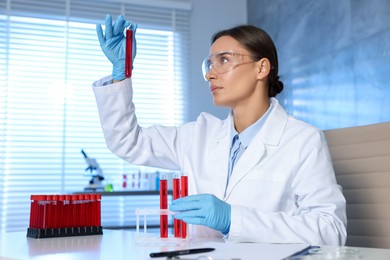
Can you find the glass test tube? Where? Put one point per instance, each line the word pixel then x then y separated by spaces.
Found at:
pixel 176 194
pixel 48 212
pixel 163 205
pixel 67 210
pixel 61 211
pixel 184 192
pixel 129 53
pixel 54 211
pixel 33 211
pixel 99 198
pixel 41 211
pixel 124 181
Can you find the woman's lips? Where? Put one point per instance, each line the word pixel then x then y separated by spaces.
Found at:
pixel 214 88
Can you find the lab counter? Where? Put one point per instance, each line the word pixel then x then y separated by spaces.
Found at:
pixel 122 244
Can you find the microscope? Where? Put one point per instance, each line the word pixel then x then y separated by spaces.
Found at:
pixel 96 173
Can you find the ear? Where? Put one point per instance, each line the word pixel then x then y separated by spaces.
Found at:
pixel 263 68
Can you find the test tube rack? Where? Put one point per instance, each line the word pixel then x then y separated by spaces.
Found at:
pixel 145 237
pixel 180 189
pixel 65 215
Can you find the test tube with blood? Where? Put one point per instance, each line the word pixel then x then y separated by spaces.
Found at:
pixel 48 212
pixel 96 206
pixel 163 205
pixel 184 193
pixel 33 211
pixel 61 211
pixel 54 211
pixel 176 195
pixel 129 53
pixel 67 211
pixel 41 211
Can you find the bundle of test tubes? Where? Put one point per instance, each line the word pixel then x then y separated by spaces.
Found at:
pixel 180 189
pixel 65 215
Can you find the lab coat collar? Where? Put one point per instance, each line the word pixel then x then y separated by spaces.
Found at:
pixel 225 128
pixel 272 129
pixel 219 152
pixel 275 125
pixel 269 135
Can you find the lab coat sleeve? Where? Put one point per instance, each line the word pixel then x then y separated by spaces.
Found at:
pixel 318 211
pixel 156 146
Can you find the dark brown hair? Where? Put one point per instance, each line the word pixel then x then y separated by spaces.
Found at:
pixel 260 45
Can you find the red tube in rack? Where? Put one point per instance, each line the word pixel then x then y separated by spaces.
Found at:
pixel 72 215
pixel 79 210
pixel 48 212
pixel 184 192
pixel 33 208
pixel 94 209
pixel 61 213
pixel 67 214
pixel 176 195
pixel 90 216
pixel 72 212
pixel 129 53
pixel 163 205
pixel 91 212
pixel 84 210
pixel 54 209
pixel 99 197
pixel 88 212
pixel 41 211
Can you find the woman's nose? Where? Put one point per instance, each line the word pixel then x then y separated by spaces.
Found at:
pixel 212 74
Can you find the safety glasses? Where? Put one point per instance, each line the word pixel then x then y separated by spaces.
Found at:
pixel 225 61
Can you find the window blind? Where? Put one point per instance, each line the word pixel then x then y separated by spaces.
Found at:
pixel 49 57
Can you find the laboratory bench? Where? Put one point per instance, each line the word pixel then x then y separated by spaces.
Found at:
pixel 123 244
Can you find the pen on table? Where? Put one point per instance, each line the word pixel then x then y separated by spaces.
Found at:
pixel 182 252
pixel 129 53
pixel 304 251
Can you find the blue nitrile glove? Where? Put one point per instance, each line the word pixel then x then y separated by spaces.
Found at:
pixel 113 43
pixel 203 209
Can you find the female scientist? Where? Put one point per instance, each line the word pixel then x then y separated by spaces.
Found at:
pixel 260 175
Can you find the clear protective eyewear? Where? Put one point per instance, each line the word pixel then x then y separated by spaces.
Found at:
pixel 225 61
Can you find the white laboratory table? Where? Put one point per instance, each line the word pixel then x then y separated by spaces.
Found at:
pixel 122 244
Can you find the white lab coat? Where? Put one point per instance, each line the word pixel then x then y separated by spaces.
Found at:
pixel 282 189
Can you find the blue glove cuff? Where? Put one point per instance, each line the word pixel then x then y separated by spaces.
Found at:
pixel 228 219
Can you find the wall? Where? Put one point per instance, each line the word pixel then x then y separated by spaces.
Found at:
pixel 208 17
pixel 334 58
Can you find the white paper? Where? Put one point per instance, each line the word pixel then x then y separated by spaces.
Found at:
pixel 250 251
